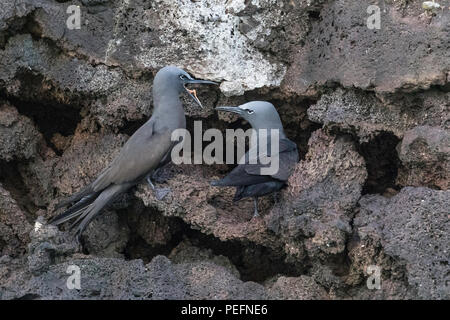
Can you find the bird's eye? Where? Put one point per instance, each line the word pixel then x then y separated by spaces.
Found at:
pixel 250 111
pixel 183 77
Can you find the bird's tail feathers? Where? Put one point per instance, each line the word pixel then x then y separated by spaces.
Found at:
pixel 73 210
pixel 88 207
pixel 75 197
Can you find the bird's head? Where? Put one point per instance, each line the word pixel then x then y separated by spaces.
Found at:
pixel 260 114
pixel 178 79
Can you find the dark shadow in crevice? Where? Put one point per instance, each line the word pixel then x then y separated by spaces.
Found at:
pixel 340 264
pixel 254 262
pixel 382 163
pixel 20 25
pixel 314 15
pixel 137 247
pixel 381 158
pixel 49 115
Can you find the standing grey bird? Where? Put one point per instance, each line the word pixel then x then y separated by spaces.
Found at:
pixel 247 177
pixel 145 151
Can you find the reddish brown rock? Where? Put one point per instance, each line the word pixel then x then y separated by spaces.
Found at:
pixel 19 138
pixel 425 156
pixel 301 288
pixel 14 226
pixel 408 53
pixel 323 191
pixel 209 209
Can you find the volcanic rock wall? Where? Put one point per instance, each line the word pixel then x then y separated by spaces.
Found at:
pixel 368 109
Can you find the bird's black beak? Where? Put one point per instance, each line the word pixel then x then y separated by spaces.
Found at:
pixel 193 93
pixel 230 109
pixel 195 81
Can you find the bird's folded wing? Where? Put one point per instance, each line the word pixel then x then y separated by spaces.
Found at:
pixel 287 158
pixel 239 177
pixel 139 155
pixel 248 174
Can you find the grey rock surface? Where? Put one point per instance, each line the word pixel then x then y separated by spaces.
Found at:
pixel 412 227
pixel 367 115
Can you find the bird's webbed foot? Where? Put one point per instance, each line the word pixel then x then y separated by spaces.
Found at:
pixel 160 193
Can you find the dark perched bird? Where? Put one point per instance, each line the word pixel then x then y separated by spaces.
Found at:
pixel 247 177
pixel 145 151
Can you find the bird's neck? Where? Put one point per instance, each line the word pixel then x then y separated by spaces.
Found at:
pixel 168 107
pixel 264 135
pixel 268 128
pixel 162 95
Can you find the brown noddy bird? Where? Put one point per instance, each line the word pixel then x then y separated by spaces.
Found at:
pixel 145 151
pixel 247 177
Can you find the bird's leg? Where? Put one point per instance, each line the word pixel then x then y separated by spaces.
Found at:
pixel 155 172
pixel 160 193
pixel 149 180
pixel 255 213
pixel 150 177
